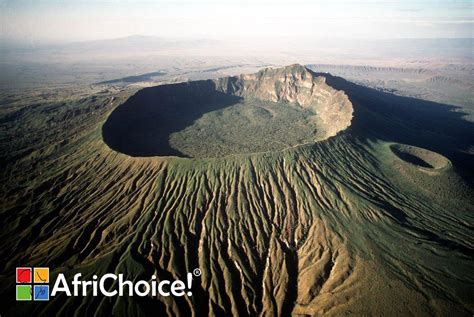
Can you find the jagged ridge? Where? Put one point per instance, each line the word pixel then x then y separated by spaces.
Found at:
pixel 294 84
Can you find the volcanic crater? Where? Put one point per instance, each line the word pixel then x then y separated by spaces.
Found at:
pixel 271 110
pixel 420 157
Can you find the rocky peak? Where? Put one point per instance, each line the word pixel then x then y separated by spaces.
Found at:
pixel 292 84
pixel 295 85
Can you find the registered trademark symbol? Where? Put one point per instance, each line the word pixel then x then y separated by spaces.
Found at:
pixel 197 272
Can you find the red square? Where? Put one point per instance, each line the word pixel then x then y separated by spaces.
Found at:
pixel 23 274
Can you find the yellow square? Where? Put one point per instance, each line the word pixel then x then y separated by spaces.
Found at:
pixel 41 275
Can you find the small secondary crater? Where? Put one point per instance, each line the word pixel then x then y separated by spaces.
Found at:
pixel 420 157
pixel 271 110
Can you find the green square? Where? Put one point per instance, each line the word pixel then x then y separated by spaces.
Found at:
pixel 23 292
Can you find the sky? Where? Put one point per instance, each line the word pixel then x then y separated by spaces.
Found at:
pixel 61 20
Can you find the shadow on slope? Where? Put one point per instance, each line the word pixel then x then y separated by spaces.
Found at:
pixel 142 125
pixel 134 79
pixel 438 127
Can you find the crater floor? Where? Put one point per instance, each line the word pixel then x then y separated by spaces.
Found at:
pixel 247 127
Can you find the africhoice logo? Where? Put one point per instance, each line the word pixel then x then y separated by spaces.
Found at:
pixel 32 283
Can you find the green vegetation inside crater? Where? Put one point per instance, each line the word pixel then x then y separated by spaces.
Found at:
pixel 249 126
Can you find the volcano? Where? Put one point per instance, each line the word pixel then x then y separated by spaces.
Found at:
pixel 294 192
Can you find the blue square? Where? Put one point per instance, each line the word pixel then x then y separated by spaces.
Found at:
pixel 41 292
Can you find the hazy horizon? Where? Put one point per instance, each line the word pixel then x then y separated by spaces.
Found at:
pixel 59 21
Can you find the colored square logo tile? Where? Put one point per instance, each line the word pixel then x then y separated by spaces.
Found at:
pixel 23 292
pixel 41 292
pixel 23 274
pixel 41 275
